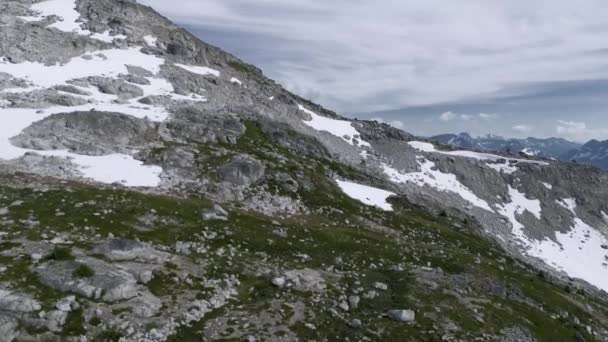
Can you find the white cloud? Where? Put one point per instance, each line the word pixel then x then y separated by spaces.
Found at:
pixel 522 128
pixel 486 116
pixel 357 56
pixel 397 124
pixel 571 126
pixel 448 116
pixel 466 117
pixel 578 131
pixel 451 116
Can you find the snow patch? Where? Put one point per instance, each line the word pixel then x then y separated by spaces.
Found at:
pixel 505 167
pixel 341 128
pixel 422 146
pixel 236 81
pixel 191 97
pixel 579 253
pixel 113 168
pixel 547 185
pixel 518 205
pixel 530 152
pixel 568 203
pixel 150 40
pixel 199 70
pixel 366 194
pixel 106 37
pixel 582 244
pixel 108 63
pixel 65 9
pixel 445 182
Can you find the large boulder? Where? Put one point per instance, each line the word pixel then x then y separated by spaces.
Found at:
pixel 8 328
pixel 17 302
pixel 402 315
pixel 242 170
pixel 92 133
pixel 112 86
pixel 107 282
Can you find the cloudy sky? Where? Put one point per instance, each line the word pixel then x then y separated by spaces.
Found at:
pixel 515 68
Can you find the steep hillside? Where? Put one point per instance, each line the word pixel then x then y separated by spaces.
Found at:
pixel 154 188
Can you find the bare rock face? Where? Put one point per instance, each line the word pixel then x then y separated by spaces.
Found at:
pixel 242 170
pixel 107 281
pixel 282 134
pixel 124 90
pixel 8 328
pixel 402 315
pixel 93 133
pixel 17 302
pixel 201 126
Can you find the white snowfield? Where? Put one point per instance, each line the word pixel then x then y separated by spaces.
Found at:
pixel 367 194
pixel 198 70
pixel 578 253
pixel 507 167
pixel 236 81
pixel 567 252
pixel 341 128
pixel 445 182
pixel 66 10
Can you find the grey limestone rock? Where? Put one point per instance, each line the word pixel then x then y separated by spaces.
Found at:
pixel 92 133
pixel 242 170
pixel 402 315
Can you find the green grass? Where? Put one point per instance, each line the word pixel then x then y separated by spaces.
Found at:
pixel 74 324
pixel 83 271
pixel 242 68
pixel 60 254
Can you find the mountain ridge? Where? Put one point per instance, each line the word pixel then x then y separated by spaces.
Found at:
pixel 593 152
pixel 547 147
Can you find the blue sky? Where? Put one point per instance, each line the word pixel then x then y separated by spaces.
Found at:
pixel 515 68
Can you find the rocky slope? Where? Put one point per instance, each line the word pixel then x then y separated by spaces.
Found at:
pixel 550 148
pixel 153 188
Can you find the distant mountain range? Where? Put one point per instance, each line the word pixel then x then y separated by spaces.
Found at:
pixel 550 148
pixel 594 152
